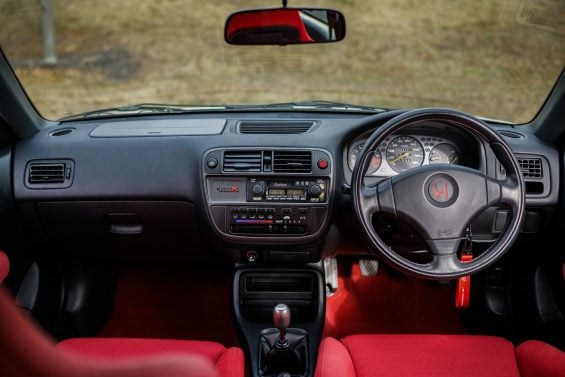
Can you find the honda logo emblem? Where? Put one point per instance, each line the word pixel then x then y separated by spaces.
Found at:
pixel 440 190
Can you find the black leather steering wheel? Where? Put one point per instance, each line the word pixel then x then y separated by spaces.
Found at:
pixel 439 201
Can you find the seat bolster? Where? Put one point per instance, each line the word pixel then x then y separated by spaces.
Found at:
pixel 334 360
pixel 539 359
pixel 4 266
pixel 231 363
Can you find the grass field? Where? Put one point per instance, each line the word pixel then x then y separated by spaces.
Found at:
pixel 495 58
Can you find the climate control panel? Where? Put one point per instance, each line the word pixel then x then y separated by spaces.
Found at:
pixel 269 220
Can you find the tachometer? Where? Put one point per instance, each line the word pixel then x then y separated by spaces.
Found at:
pixel 403 153
pixel 444 154
pixel 375 161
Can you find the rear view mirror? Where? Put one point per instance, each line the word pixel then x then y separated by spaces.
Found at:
pixel 284 26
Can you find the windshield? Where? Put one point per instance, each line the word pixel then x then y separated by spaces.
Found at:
pixel 493 58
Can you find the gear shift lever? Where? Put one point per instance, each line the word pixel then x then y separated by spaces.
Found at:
pixel 283 350
pixel 281 320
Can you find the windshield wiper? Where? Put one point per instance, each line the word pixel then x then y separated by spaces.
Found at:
pixel 142 108
pixel 146 108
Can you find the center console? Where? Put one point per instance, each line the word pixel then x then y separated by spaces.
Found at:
pixel 268 195
pixel 273 204
pixel 280 315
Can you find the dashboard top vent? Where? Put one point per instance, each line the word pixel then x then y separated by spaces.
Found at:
pixel 531 167
pixel 292 162
pixel 49 174
pixel 274 127
pixel 243 160
pixel 511 134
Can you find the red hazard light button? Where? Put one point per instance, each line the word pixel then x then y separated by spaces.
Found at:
pixel 323 164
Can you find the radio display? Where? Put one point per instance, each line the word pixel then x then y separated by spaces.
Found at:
pixel 285 192
pixel 295 192
pixel 277 192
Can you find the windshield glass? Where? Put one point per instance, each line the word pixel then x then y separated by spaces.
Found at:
pixel 493 58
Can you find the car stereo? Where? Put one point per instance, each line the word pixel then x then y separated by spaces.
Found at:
pixel 308 190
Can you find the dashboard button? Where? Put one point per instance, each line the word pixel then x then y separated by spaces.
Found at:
pixel 286 211
pixel 212 163
pixel 323 164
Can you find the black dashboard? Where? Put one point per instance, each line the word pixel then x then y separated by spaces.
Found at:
pixel 274 183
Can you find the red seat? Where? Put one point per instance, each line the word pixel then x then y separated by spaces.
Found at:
pixel 26 351
pixel 229 362
pixel 436 355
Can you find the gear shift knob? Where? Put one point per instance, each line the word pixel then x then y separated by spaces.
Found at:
pixel 281 320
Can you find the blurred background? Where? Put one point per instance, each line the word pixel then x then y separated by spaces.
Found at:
pixel 494 58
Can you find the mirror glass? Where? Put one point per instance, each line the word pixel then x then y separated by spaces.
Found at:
pixel 285 26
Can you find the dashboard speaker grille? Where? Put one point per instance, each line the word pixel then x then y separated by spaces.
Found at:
pixel 242 161
pixel 260 127
pixel 292 162
pixel 531 167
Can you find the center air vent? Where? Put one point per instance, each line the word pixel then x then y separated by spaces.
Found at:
pixel 261 127
pixel 292 162
pixel 242 161
pixel 531 167
pixel 49 174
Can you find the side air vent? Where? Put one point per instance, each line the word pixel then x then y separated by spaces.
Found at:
pixel 292 162
pixel 260 127
pixel 531 168
pixel 242 161
pixel 49 174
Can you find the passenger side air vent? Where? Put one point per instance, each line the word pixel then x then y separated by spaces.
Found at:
pixel 238 161
pixel 49 174
pixel 292 162
pixel 260 127
pixel 531 167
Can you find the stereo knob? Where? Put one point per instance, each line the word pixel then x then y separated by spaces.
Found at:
pixel 315 190
pixel 258 189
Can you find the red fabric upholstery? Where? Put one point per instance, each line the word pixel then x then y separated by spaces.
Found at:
pixel 229 362
pixel 25 351
pixel 538 359
pixel 334 360
pixel 4 266
pixel 422 356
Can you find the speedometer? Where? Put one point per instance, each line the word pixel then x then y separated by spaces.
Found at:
pixel 375 161
pixel 403 153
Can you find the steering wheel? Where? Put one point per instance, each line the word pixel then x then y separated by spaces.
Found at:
pixel 439 201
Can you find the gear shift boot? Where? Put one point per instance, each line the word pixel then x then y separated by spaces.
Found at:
pixel 290 357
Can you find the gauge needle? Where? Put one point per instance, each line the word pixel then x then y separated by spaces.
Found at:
pixel 453 160
pixel 399 157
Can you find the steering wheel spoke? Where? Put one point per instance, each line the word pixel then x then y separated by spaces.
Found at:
pixel 508 192
pixel 511 192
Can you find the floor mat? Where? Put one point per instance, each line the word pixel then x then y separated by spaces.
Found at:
pixel 388 303
pixel 172 302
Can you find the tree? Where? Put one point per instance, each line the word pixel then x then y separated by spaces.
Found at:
pixel 48 32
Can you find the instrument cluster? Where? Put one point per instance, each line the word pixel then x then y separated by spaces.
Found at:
pixel 399 153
